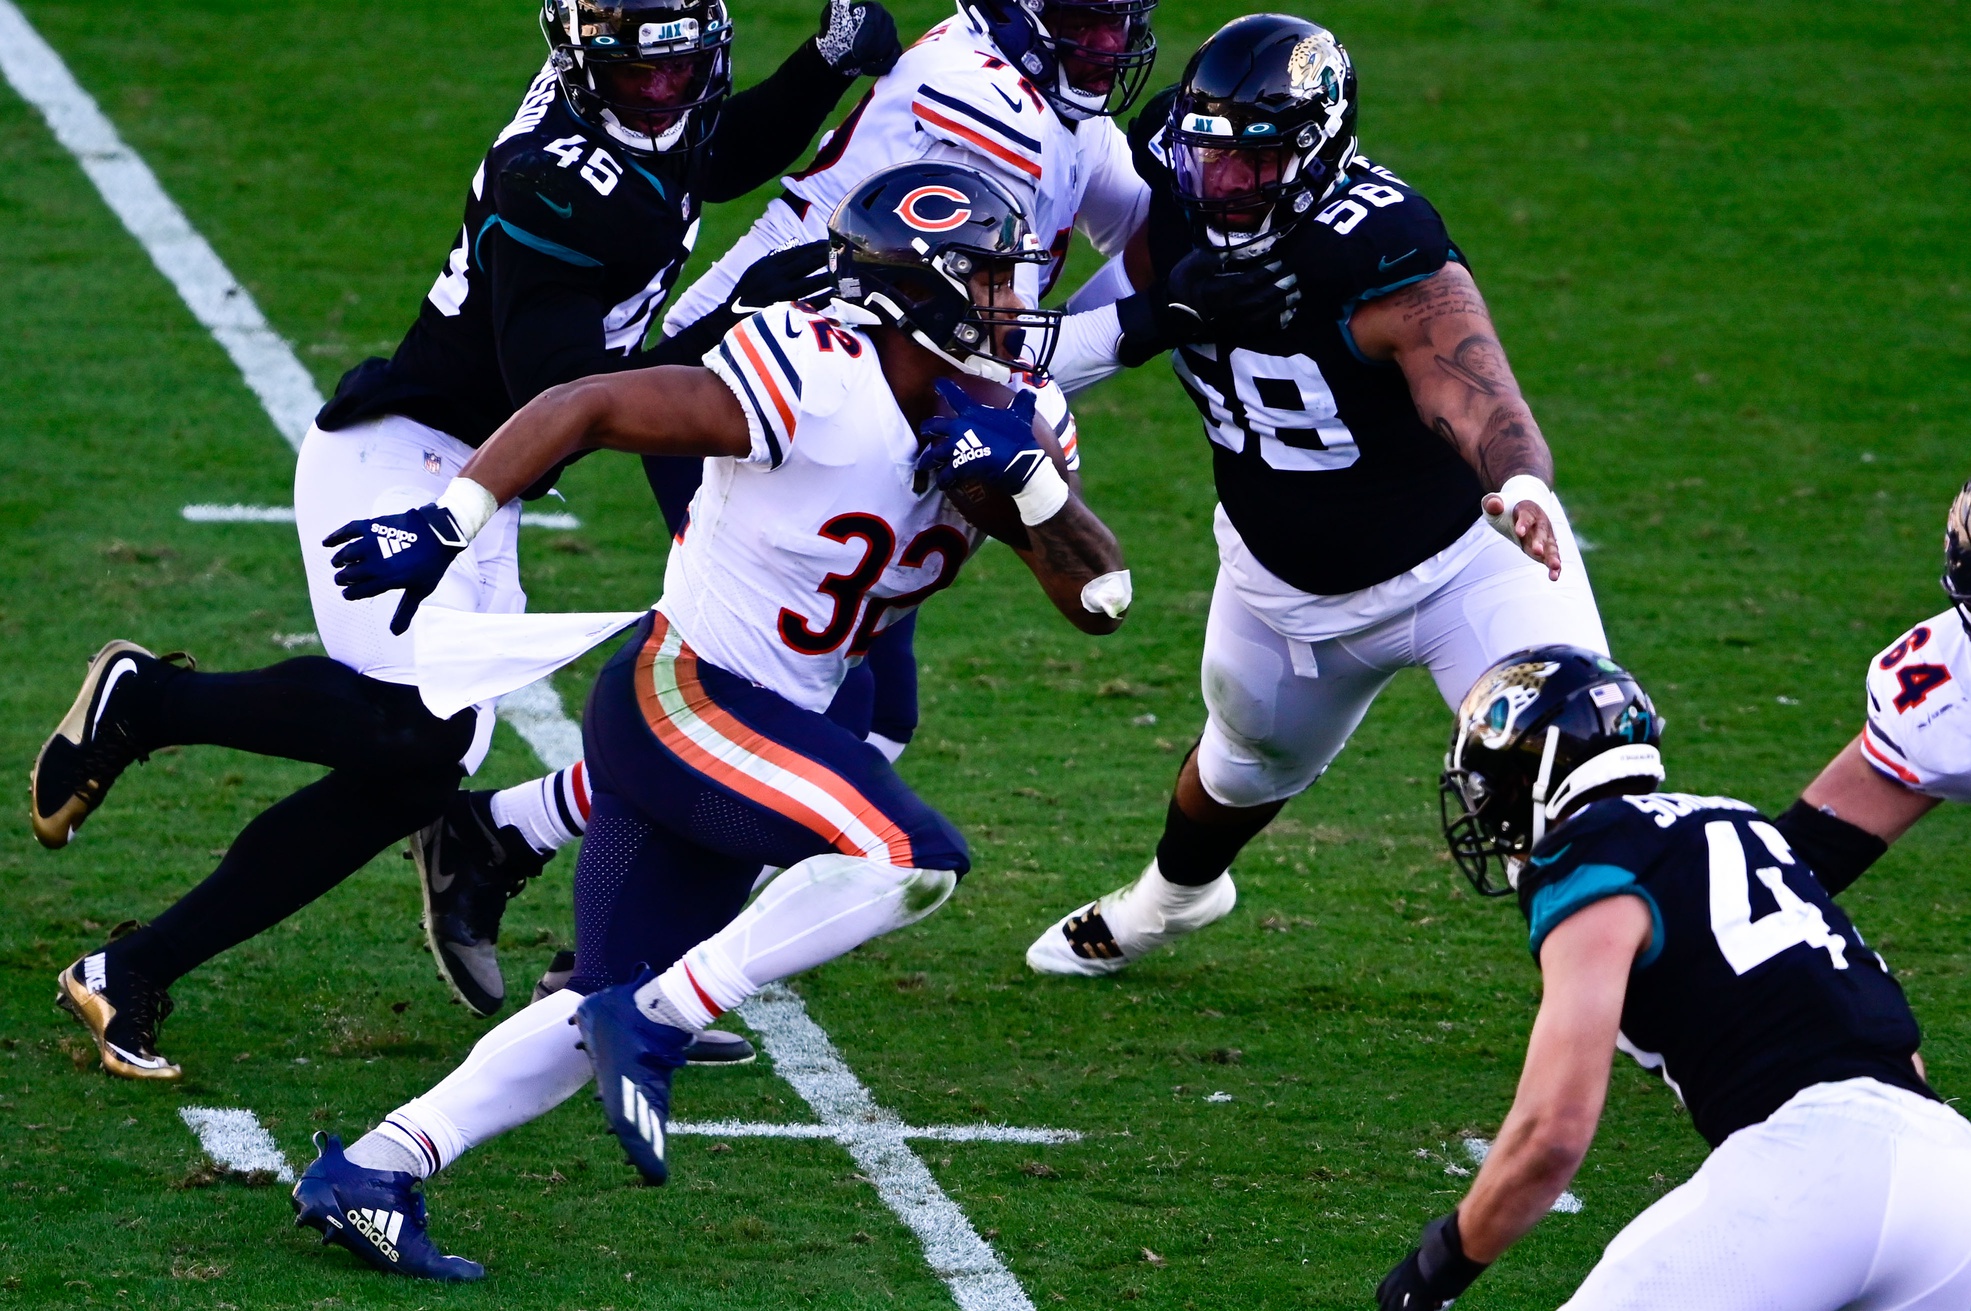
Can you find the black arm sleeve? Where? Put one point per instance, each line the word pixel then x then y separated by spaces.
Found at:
pixel 1836 851
pixel 763 129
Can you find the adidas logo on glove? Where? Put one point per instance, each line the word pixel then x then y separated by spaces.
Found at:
pixel 392 540
pixel 968 449
pixel 380 1227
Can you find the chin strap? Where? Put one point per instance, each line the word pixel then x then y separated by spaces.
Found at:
pixel 1540 784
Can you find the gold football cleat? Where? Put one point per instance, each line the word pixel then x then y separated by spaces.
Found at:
pixel 121 1015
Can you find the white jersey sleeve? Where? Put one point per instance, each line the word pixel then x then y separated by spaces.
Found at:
pixel 982 106
pixel 1117 200
pixel 778 365
pixel 1051 404
pixel 1919 710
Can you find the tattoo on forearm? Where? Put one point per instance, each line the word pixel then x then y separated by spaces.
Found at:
pixel 1511 444
pixel 1480 365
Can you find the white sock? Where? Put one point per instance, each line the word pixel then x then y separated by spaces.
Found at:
pixel 889 746
pixel 550 812
pixel 521 1069
pixel 819 909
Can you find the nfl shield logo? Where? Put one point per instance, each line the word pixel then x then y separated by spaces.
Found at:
pixel 431 464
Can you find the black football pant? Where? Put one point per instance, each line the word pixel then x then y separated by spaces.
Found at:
pixel 392 764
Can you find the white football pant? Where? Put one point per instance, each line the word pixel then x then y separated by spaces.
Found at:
pixel 1281 710
pixel 386 466
pixel 1853 1195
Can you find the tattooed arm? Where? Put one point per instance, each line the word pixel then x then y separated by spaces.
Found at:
pixel 1439 332
pixel 1066 554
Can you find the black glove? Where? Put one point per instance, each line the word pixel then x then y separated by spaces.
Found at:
pixel 858 38
pixel 1435 1272
pixel 1207 293
pixel 792 274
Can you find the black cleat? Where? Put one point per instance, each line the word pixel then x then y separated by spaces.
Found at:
pixel 468 870
pixel 122 1011
pixel 93 745
pixel 708 1046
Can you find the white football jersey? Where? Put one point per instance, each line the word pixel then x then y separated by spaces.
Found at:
pixel 1919 709
pixel 798 553
pixel 953 97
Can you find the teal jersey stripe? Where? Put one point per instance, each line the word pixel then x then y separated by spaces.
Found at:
pixel 1581 887
pixel 553 249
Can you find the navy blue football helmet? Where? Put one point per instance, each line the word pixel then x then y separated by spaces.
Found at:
pixel 1090 58
pixel 905 249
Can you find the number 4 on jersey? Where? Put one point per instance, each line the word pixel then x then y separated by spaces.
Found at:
pixel 1747 943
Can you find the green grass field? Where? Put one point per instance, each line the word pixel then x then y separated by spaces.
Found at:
pixel 1722 244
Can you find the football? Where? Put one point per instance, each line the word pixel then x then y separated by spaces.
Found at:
pixel 990 511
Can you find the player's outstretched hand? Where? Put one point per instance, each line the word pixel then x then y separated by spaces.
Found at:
pixel 981 443
pixel 410 551
pixel 858 38
pixel 1433 1275
pixel 1530 528
pixel 792 274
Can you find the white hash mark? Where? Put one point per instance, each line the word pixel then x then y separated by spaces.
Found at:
pixel 236 1141
pixel 1479 1148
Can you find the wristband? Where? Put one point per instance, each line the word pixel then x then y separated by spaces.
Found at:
pixel 1519 488
pixel 1043 496
pixel 1108 595
pixel 1441 1258
pixel 470 504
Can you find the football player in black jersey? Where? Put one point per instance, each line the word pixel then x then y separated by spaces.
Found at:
pixel 1367 440
pixel 1685 931
pixel 576 226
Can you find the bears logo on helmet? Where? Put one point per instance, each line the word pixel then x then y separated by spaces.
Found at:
pixel 908 209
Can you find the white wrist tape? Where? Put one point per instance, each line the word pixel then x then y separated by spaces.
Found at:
pixel 470 504
pixel 1108 595
pixel 1043 496
pixel 1515 490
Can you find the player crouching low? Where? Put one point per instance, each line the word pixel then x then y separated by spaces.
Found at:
pixel 1685 931
pixel 821 518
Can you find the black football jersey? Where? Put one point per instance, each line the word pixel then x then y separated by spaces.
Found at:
pixel 1320 459
pixel 1754 985
pixel 569 248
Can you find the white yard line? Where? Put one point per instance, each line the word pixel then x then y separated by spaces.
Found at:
pixel 943 1133
pixel 874 1136
pixel 801 1052
pixel 129 187
pixel 236 1141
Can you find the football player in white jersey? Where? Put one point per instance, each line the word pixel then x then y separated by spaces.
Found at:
pixel 821 519
pixel 1914 750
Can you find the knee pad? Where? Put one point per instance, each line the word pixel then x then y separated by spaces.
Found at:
pixel 1237 772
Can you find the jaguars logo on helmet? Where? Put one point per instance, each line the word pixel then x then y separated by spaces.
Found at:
pixel 905 249
pixel 1262 129
pixel 650 73
pixel 1536 732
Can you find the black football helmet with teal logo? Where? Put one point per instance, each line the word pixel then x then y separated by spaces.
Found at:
pixel 1537 731
pixel 650 73
pixel 1262 129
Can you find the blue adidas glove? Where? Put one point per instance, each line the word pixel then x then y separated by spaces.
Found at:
pixel 994 448
pixel 410 551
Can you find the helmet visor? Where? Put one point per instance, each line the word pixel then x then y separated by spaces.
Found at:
pixel 1235 187
pixel 651 95
pixel 1105 47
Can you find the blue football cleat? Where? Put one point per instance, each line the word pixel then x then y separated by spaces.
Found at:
pixel 634 1058
pixel 377 1214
